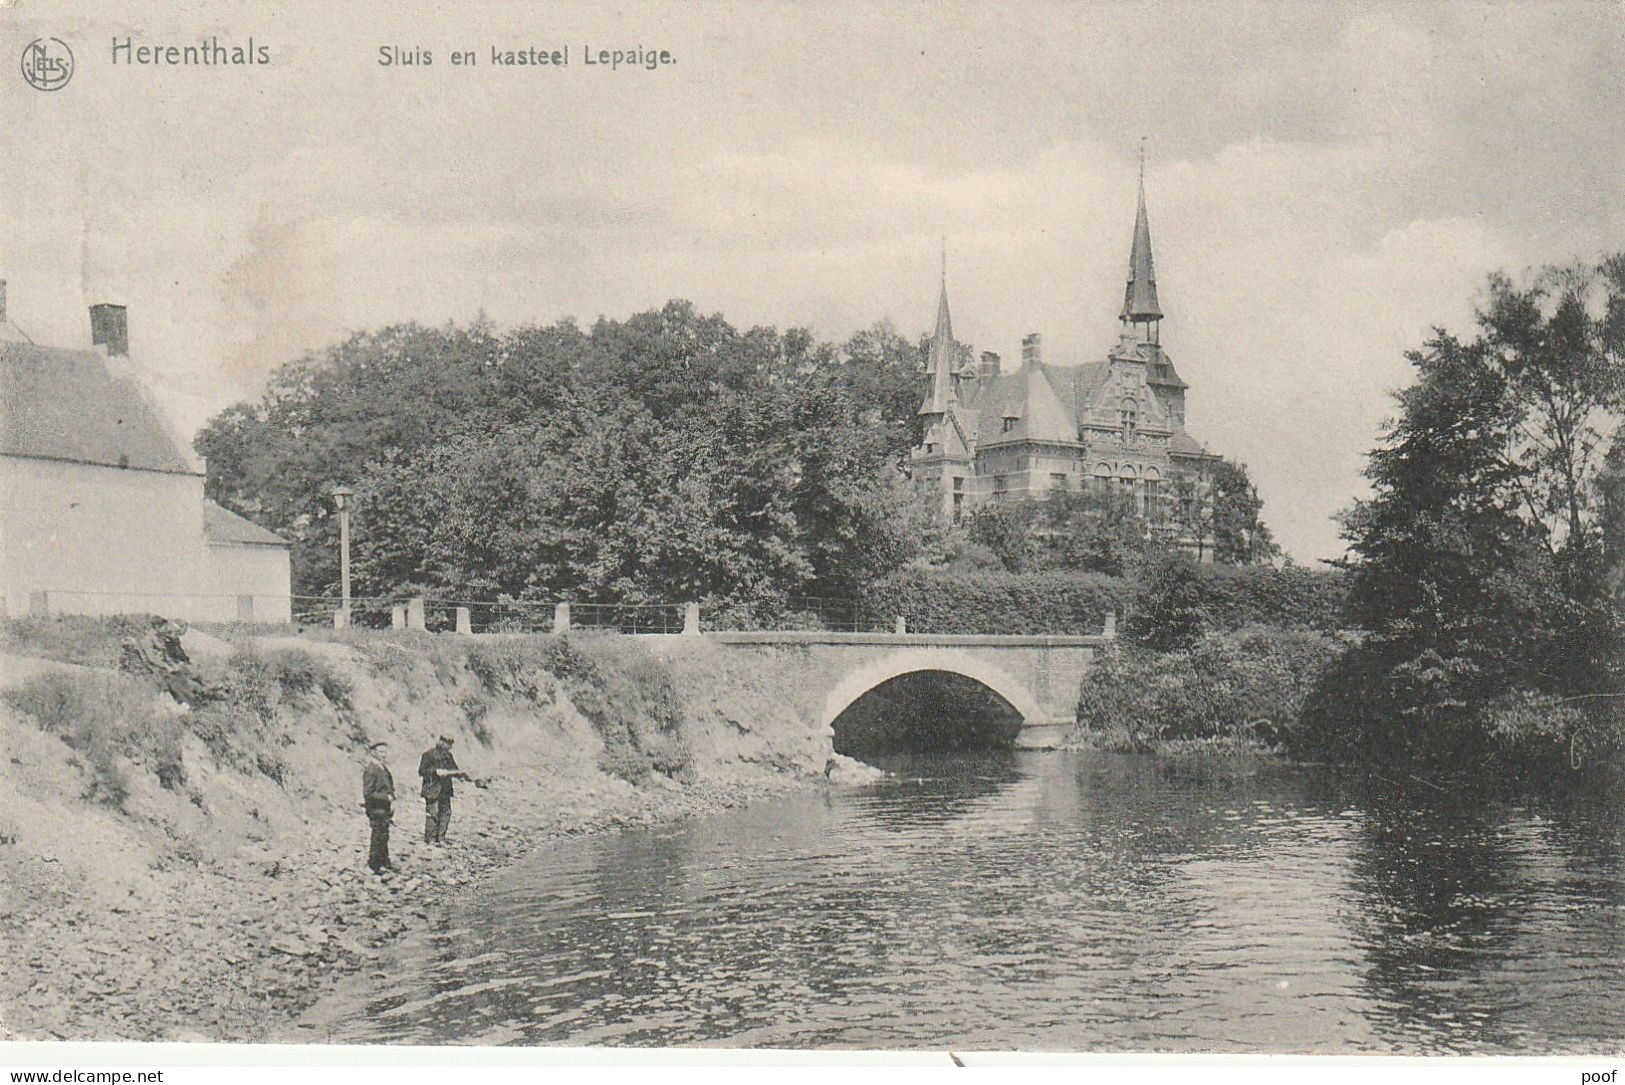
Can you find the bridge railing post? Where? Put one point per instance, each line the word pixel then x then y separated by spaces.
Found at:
pixel 1110 629
pixel 902 625
pixel 691 620
pixel 561 618
pixel 465 623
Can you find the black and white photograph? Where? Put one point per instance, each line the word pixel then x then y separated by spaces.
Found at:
pixel 811 531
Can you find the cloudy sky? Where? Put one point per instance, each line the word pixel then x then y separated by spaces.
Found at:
pixel 1326 182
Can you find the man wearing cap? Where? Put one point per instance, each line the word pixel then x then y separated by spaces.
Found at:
pixel 378 798
pixel 438 768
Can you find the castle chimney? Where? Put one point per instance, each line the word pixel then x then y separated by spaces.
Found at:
pixel 1031 351
pixel 990 364
pixel 109 327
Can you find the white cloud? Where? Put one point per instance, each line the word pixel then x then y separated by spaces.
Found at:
pixel 1323 188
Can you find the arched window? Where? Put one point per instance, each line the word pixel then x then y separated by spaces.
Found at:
pixel 1128 416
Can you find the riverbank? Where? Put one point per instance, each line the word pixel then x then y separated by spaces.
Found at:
pixel 201 875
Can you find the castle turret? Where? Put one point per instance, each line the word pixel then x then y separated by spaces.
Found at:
pixel 1140 304
pixel 939 363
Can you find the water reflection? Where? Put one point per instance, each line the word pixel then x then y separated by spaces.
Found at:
pixel 1044 901
pixel 1485 928
pixel 933 789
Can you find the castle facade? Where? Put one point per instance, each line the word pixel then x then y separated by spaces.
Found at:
pixel 1112 424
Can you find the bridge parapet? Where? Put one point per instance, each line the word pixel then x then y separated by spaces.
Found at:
pixel 900 640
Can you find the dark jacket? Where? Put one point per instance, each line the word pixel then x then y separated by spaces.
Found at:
pixel 377 788
pixel 436 757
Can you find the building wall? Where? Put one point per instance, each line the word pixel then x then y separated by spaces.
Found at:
pixel 105 540
pixel 253 581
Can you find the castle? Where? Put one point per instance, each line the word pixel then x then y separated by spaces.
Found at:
pixel 992 435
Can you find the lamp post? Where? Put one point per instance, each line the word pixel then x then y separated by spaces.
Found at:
pixel 341 501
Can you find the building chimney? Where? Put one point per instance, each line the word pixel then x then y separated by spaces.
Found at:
pixel 110 328
pixel 990 364
pixel 1031 352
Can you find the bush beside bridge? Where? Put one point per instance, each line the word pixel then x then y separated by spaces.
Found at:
pixel 1245 687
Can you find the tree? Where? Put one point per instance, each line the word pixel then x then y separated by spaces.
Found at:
pixel 1170 615
pixel 1479 555
pixel 668 457
pixel 1091 531
pixel 1005 528
pixel 1560 344
pixel 1239 536
pixel 886 373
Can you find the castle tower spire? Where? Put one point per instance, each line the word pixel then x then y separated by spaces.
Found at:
pixel 1140 298
pixel 940 361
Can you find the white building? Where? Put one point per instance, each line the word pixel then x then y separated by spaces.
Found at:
pixel 101 504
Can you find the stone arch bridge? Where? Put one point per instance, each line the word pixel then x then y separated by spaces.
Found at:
pixel 1039 676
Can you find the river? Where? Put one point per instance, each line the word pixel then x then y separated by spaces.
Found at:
pixel 1053 901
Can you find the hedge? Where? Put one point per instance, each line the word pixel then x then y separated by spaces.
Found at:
pixel 937 601
pixel 933 601
pixel 1296 598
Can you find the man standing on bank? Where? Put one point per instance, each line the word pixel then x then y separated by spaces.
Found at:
pixel 438 768
pixel 378 798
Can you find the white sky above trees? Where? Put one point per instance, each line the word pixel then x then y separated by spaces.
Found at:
pixel 1325 183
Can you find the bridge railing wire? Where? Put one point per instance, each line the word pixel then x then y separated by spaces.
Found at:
pixel 811 613
pixel 628 617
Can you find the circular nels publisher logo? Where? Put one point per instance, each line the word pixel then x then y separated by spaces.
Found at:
pixel 48 64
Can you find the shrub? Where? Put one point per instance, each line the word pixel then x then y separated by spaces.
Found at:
pixel 297 674
pixel 90 642
pixel 106 718
pixel 1249 686
pixel 520 667
pixel 632 702
pixel 1374 706
pixel 625 694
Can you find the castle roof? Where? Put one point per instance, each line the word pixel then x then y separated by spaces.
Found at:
pixel 1044 400
pixel 940 361
pixel 70 405
pixel 1140 298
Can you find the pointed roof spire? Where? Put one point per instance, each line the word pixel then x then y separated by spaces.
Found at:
pixel 1140 299
pixel 940 361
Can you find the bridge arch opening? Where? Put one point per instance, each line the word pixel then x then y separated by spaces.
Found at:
pixel 927 710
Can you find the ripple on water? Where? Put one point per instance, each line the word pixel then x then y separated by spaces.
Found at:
pixel 1045 901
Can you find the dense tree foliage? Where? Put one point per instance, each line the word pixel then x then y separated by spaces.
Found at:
pixel 669 456
pixel 1232 514
pixel 1091 531
pixel 1481 556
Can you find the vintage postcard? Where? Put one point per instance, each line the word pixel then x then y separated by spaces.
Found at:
pixel 935 530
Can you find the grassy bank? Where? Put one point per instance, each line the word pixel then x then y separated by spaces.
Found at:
pixel 200 874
